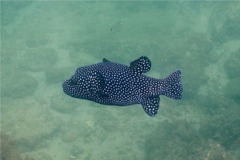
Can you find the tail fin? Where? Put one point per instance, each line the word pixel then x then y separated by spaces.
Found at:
pixel 172 86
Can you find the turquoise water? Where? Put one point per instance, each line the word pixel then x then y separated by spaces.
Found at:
pixel 42 43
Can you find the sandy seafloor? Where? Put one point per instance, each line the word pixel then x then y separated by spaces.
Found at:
pixel 42 44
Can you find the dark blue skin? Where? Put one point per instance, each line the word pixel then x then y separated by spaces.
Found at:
pixel 111 83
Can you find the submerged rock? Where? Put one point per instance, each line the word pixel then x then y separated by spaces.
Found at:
pixel 232 89
pixel 18 85
pixel 63 104
pixel 9 151
pixel 30 125
pixel 39 59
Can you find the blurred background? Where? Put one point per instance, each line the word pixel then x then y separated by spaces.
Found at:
pixel 43 43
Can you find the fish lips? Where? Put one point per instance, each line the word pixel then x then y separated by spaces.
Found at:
pixel 69 89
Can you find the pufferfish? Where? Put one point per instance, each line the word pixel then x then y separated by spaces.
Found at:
pixel 111 83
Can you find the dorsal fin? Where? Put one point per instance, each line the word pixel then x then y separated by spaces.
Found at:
pixel 151 105
pixel 140 65
pixel 105 60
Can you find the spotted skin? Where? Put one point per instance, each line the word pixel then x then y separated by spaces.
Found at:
pixel 111 83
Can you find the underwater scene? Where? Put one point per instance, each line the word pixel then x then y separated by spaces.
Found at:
pixel 43 43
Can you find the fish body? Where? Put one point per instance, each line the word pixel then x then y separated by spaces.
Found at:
pixel 111 83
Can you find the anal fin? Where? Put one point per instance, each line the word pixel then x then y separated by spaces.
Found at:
pixel 151 105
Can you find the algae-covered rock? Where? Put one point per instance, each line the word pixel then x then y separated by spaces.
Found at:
pixel 174 140
pixel 38 59
pixel 58 75
pixel 18 85
pixel 63 104
pixel 9 150
pixel 232 89
pixel 232 65
pixel 29 125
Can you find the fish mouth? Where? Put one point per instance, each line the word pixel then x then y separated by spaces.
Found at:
pixel 69 89
pixel 65 87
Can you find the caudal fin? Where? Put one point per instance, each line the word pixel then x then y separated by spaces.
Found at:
pixel 172 86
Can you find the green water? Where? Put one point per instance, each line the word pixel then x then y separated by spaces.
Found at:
pixel 42 43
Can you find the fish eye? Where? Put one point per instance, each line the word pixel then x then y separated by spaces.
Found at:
pixel 72 82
